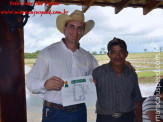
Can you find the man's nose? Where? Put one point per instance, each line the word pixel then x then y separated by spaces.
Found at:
pixel 117 55
pixel 75 31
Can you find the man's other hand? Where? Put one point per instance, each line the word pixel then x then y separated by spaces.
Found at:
pixel 95 81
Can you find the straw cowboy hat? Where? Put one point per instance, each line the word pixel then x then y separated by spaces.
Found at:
pixel 77 16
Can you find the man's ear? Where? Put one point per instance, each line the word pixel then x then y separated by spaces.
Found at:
pixel 108 54
pixel 126 54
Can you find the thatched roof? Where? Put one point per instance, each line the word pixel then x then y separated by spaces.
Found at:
pixel 147 5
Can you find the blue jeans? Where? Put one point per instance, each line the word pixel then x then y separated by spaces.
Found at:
pixel 127 117
pixel 59 115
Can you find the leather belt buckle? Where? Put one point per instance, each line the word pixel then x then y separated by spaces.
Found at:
pixel 117 115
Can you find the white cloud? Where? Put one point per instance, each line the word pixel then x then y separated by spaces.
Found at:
pixel 130 24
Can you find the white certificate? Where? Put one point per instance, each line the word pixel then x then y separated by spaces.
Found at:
pixel 78 90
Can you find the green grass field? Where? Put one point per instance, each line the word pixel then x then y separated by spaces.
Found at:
pixel 144 63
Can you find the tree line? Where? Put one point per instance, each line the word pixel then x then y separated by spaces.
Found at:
pixel 102 51
pixel 31 55
pixel 35 54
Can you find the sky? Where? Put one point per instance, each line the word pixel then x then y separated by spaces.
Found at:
pixel 137 30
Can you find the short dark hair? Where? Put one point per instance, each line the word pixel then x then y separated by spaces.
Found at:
pixel 117 41
pixel 159 88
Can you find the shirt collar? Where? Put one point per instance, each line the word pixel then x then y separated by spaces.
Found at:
pixel 65 47
pixel 110 67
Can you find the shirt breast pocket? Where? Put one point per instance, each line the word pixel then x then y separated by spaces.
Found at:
pixel 84 71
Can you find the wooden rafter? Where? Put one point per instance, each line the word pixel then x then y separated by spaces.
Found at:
pixel 121 5
pixel 116 3
pixel 87 4
pixel 48 7
pixel 150 5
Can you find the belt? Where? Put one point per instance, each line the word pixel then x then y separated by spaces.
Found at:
pixel 71 108
pixel 117 115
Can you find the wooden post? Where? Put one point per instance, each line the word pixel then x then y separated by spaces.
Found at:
pixel 0 111
pixel 12 78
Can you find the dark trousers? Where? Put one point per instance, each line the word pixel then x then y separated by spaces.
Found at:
pixel 59 115
pixel 126 117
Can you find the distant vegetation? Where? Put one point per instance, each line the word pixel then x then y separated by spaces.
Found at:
pixel 101 52
pixel 31 55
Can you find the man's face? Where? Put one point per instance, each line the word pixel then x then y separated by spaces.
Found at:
pixel 117 55
pixel 73 32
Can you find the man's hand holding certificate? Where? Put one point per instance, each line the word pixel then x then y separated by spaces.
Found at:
pixel 78 90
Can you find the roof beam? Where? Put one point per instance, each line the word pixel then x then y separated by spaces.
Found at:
pixel 121 5
pixel 87 4
pixel 150 5
pixel 48 7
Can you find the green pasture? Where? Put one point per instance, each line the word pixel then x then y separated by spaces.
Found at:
pixel 30 62
pixel 145 64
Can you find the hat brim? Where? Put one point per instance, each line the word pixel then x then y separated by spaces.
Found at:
pixel 64 18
